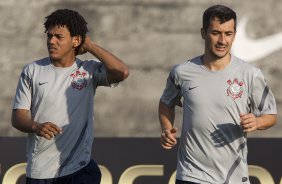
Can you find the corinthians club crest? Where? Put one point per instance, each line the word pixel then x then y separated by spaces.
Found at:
pixel 235 89
pixel 78 82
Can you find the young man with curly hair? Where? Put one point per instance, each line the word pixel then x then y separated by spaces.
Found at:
pixel 54 102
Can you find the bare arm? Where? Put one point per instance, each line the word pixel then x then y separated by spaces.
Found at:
pixel 21 120
pixel 166 118
pixel 116 70
pixel 251 123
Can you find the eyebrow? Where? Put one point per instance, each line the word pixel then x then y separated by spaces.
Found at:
pixel 229 31
pixel 56 35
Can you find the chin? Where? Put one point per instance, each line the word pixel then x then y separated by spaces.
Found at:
pixel 53 58
pixel 220 55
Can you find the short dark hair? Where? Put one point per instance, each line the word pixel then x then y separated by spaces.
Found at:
pixel 223 13
pixel 75 23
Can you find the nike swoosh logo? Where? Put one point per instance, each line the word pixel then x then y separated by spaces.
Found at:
pixel 41 83
pixel 190 88
pixel 250 49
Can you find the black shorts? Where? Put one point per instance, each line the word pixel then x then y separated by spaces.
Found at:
pixel 90 174
pixel 184 182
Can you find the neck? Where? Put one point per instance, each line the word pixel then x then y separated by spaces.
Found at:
pixel 215 64
pixel 63 62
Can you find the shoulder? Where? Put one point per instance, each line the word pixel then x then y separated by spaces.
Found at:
pixel 37 64
pixel 188 65
pixel 92 66
pixel 245 66
pixel 42 62
pixel 89 63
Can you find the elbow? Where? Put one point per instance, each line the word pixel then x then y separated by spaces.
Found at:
pixel 115 76
pixel 15 118
pixel 274 120
pixel 121 75
pixel 125 73
pixel 14 122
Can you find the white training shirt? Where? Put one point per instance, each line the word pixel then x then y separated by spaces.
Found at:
pixel 213 145
pixel 65 97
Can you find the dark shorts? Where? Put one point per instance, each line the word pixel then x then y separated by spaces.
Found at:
pixel 184 182
pixel 90 174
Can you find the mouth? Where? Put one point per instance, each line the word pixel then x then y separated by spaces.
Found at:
pixel 220 47
pixel 51 49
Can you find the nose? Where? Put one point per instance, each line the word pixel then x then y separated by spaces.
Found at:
pixel 222 39
pixel 51 39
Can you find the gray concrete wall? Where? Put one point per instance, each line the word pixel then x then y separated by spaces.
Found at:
pixel 149 35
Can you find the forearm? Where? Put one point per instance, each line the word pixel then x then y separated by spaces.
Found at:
pixel 266 121
pixel 168 135
pixel 166 116
pixel 22 121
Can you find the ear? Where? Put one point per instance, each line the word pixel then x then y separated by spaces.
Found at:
pixel 76 41
pixel 235 34
pixel 203 33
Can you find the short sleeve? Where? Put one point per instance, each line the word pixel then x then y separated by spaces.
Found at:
pixel 100 75
pixel 24 90
pixel 171 92
pixel 261 96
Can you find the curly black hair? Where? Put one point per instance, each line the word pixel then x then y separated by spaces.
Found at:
pixel 75 23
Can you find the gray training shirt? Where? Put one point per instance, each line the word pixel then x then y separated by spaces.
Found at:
pixel 213 145
pixel 65 97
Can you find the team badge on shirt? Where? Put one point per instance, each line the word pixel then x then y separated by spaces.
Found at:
pixel 235 89
pixel 78 82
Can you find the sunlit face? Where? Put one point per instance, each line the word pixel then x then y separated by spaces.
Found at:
pixel 219 38
pixel 60 44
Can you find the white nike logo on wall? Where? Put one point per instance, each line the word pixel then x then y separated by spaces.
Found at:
pixel 250 49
